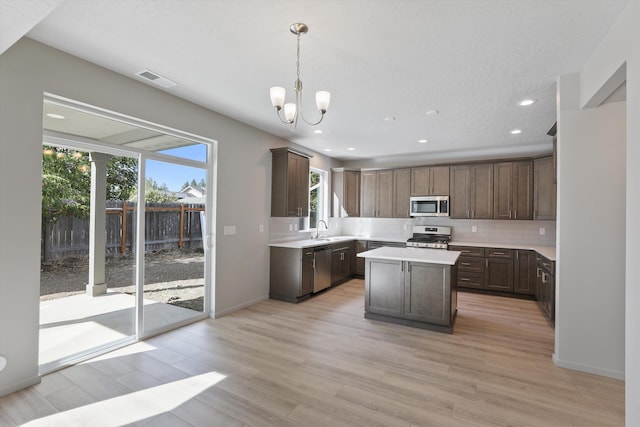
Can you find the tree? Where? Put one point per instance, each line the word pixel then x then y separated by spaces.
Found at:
pixel 66 182
pixel 157 193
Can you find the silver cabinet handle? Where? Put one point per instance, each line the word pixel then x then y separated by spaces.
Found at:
pixel 464 279
pixel 314 264
pixel 498 253
pixel 516 215
pixel 486 262
pixel 468 216
pixel 509 213
pixel 473 214
pixel 517 254
pixel 465 263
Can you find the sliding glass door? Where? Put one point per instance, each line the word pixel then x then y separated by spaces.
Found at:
pixel 125 244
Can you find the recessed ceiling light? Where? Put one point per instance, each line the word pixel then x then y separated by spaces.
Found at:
pixel 55 116
pixel 515 131
pixel 422 141
pixel 389 119
pixel 317 131
pixel 350 149
pixel 526 102
pixel 327 149
pixel 432 112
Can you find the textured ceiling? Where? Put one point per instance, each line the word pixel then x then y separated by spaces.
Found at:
pixel 470 60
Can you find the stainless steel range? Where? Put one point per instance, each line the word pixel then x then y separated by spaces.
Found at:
pixel 431 237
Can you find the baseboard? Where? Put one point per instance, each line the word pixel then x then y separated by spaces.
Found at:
pixel 618 375
pixel 215 315
pixel 19 386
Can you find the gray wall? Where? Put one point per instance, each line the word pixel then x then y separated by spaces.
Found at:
pixel 619 50
pixel 27 70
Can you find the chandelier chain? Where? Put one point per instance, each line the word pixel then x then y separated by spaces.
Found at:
pixel 298 59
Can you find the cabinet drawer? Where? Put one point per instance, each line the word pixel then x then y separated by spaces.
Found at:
pixel 499 253
pixel 467 279
pixel 468 250
pixel 307 253
pixel 471 264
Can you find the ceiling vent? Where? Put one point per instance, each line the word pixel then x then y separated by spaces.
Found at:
pixel 156 79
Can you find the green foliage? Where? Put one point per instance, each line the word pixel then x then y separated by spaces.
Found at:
pixel 157 193
pixel 66 182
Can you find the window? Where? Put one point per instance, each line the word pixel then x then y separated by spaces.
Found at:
pixel 317 197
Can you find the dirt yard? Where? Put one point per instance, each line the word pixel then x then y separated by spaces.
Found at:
pixel 173 277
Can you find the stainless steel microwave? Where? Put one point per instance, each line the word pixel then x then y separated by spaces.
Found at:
pixel 429 206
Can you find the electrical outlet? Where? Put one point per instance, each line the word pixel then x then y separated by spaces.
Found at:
pixel 290 227
pixel 542 231
pixel 474 229
pixel 261 228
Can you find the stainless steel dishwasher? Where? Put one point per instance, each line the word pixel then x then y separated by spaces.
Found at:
pixel 321 268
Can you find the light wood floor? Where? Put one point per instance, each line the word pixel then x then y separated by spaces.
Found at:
pixel 321 363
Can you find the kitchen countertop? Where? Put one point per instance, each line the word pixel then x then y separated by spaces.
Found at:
pixel 548 252
pixel 308 243
pixel 430 256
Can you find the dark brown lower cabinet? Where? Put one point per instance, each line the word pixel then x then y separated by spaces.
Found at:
pixel 499 269
pixel 523 279
pixel 341 262
pixel 361 246
pixel 546 287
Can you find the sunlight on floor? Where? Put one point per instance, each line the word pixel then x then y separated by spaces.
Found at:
pixel 133 407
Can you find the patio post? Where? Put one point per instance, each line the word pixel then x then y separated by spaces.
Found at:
pixel 97 225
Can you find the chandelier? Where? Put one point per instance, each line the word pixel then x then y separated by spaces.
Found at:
pixel 293 110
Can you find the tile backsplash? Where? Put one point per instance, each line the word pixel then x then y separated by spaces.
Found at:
pixel 486 231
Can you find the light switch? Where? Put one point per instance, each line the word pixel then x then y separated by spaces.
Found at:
pixel 261 228
pixel 542 231
pixel 229 230
pixel 474 229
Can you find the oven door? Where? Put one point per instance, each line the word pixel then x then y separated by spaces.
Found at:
pixel 429 206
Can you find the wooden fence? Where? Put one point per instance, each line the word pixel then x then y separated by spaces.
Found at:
pixel 167 226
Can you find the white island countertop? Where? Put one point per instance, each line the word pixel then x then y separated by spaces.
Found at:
pixel 430 256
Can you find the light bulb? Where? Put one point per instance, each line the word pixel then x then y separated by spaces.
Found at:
pixel 277 96
pixel 290 112
pixel 322 100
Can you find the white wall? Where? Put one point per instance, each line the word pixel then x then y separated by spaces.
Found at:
pixel 591 279
pixel 621 47
pixel 27 70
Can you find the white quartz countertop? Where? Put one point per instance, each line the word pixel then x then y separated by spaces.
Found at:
pixel 308 243
pixel 548 252
pixel 430 256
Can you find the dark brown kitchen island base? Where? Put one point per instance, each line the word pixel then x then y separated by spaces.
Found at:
pixel 412 323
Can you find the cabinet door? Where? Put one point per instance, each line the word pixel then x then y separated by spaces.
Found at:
pixel 420 184
pixel 499 274
pixel 426 293
pixel 401 187
pixel 351 193
pixel 384 197
pixel 439 179
pixel 306 285
pixel 522 204
pixel 502 190
pixel 293 184
pixel 544 190
pixel 368 184
pixel 481 191
pixel 303 186
pixel 336 267
pixel 459 197
pixel 524 282
pixel 361 246
pixel 384 287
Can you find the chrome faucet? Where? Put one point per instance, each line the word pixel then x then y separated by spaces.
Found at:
pixel 326 227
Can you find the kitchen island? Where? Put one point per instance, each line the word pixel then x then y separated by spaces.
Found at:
pixel 411 286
